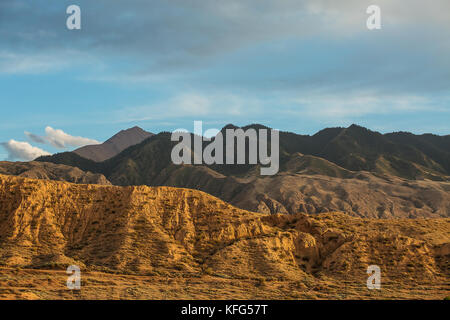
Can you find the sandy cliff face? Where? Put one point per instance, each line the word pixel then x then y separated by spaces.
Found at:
pixel 163 230
pixel 170 231
pixel 44 223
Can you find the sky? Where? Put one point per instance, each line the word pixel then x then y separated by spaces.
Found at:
pixel 292 65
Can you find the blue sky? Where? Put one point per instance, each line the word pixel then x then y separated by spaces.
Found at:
pixel 289 64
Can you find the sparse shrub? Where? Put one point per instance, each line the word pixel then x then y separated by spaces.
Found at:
pixel 261 282
pixel 209 271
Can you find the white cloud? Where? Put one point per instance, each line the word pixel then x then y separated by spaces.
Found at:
pixel 18 150
pixel 59 139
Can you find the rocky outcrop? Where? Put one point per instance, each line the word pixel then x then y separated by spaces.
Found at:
pixel 51 171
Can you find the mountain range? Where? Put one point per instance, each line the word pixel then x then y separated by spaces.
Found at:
pixel 342 200
pixel 354 148
pixel 352 169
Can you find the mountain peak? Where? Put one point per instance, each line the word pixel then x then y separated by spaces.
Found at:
pixel 114 145
pixel 230 126
pixel 135 128
pixel 357 127
pixel 256 126
pixel 134 131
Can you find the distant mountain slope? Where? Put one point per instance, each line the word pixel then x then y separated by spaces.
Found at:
pixel 51 171
pixel 357 148
pixel 114 145
pixel 357 193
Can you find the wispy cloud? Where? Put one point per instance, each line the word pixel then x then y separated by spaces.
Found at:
pixel 24 62
pixel 312 105
pixel 35 138
pixel 188 105
pixel 13 63
pixel 18 150
pixel 360 104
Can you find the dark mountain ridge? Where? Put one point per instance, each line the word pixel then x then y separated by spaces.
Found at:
pixel 354 148
pixel 347 169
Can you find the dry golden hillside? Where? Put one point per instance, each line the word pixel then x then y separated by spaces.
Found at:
pixel 51 171
pixel 162 242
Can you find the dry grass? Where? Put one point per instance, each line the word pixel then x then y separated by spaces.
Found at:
pixel 48 284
